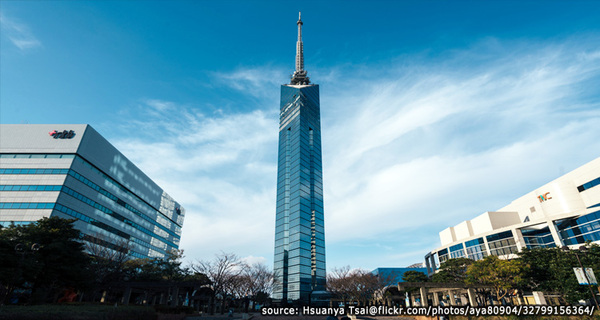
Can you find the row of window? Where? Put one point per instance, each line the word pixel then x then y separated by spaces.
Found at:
pixel 114 198
pixel 6 224
pixel 36 156
pixel 540 241
pixel 122 188
pixel 499 236
pixel 476 249
pixel 589 184
pixel 113 214
pixel 504 251
pixel 74 214
pixel 306 245
pixel 26 205
pixel 34 171
pixel 89 183
pixel 286 197
pixel 500 244
pixel 59 187
pixel 457 251
pixel 85 237
pixel 101 225
pixel 51 171
pixel 580 230
pixel 297 212
pixel 538 238
pixel 572 231
pixel 29 188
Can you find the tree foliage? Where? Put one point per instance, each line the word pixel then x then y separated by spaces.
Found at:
pixel 453 270
pixel 45 256
pixel 50 255
pixel 414 276
pixel 551 270
pixel 502 275
pixel 161 269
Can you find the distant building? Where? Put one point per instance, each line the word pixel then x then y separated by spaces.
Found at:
pixel 299 262
pixel 565 211
pixel 71 171
pixel 394 275
pixel 417 265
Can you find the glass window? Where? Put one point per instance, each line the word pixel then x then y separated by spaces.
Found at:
pixel 502 243
pixel 579 230
pixel 476 249
pixel 443 255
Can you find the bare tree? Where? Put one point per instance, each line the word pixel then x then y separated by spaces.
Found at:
pixel 352 284
pixel 223 272
pixel 109 248
pixel 109 255
pixel 363 286
pixel 257 282
pixel 338 282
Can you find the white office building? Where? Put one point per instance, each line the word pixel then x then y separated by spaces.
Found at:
pixel 563 212
pixel 71 171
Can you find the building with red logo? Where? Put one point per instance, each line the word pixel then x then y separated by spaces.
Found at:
pixel 71 171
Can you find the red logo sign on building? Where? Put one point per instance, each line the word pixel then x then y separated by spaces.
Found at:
pixel 62 134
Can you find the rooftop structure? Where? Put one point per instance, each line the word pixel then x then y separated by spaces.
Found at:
pixel 565 211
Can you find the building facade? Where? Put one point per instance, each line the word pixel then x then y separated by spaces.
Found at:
pixel 71 171
pixel 564 212
pixel 391 276
pixel 299 263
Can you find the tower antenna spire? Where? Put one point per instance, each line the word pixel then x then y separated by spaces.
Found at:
pixel 299 77
pixel 299 45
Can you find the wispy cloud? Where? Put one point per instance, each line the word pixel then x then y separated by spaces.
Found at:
pixel 409 148
pixel 18 33
pixel 433 145
pixel 220 167
pixel 259 82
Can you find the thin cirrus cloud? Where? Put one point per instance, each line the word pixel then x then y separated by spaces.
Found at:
pixel 453 142
pixel 18 33
pixel 409 148
pixel 220 167
pixel 259 82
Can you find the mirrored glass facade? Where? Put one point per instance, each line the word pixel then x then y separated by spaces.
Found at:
pixel 299 230
pixel 84 177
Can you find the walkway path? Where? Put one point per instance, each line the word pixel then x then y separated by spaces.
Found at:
pixel 257 316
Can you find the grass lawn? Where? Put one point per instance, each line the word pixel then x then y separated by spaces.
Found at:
pixel 76 312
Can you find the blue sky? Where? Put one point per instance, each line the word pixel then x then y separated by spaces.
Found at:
pixel 432 111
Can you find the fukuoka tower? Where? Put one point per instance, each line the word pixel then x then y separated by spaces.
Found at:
pixel 299 228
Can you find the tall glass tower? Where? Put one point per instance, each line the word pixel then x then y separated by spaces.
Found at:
pixel 299 228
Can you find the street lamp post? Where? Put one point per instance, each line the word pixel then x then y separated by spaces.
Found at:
pixel 584 249
pixel 20 248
